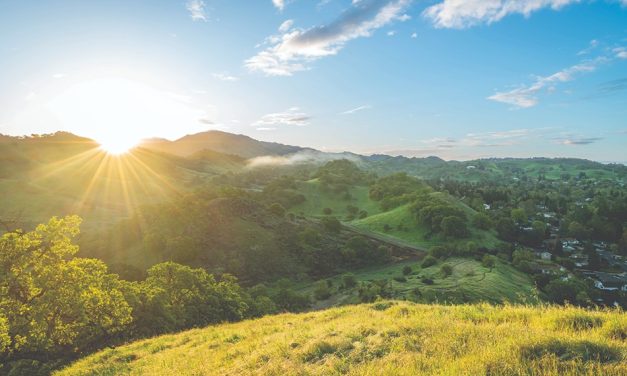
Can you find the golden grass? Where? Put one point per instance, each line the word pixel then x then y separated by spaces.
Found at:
pixel 386 338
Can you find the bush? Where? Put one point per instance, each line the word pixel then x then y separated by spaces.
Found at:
pixel 429 261
pixel 400 278
pixel 439 252
pixel 426 281
pixel 327 211
pixel 331 224
pixel 488 261
pixel 407 270
pixel 349 280
pixel 446 270
pixel 322 291
pixel 277 209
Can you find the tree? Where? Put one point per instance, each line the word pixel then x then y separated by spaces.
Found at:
pixel 322 290
pixel 454 227
pixel 482 221
pixel 487 261
pixel 349 280
pixel 519 216
pixel 407 270
pixel 331 224
pixel 52 301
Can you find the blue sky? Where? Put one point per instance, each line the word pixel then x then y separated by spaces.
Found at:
pixel 457 79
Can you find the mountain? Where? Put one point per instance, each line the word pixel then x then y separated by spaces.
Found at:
pixel 384 338
pixel 222 142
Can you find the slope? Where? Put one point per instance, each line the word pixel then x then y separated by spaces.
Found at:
pixel 385 338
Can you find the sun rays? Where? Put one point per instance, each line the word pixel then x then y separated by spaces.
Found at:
pixel 98 183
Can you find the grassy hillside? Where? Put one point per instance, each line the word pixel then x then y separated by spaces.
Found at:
pixel 318 199
pixel 64 174
pixel 470 282
pixel 402 224
pixel 493 169
pixel 385 338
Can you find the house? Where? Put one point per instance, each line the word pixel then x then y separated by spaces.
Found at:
pixel 545 255
pixel 486 206
pixel 610 281
pixel 470 167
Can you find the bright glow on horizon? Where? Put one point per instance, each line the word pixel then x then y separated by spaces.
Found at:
pixel 118 113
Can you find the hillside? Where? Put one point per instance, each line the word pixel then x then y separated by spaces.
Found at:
pixel 63 174
pixel 385 338
pixel 221 142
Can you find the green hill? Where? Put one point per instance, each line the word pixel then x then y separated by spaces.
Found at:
pixel 469 282
pixel 385 338
pixel 401 223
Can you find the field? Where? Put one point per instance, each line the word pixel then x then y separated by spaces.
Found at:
pixel 469 282
pixel 385 338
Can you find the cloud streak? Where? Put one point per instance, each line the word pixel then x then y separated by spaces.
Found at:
pixel 526 96
pixel 293 116
pixel 356 109
pixel 294 49
pixel 461 14
pixel 196 10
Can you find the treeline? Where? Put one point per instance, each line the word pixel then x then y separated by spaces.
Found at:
pixel 55 306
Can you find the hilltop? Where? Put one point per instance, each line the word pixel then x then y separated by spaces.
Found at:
pixel 385 338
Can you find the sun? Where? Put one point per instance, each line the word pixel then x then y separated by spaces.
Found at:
pixel 119 112
pixel 117 146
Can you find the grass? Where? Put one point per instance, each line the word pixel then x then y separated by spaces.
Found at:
pixel 469 282
pixel 318 200
pixel 383 338
pixel 403 225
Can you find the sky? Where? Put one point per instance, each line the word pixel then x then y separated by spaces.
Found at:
pixel 452 78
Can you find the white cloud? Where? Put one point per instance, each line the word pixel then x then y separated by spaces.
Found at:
pixel 59 75
pixel 459 14
pixel 526 96
pixel 196 10
pixel 621 52
pixel 391 33
pixel 225 77
pixel 293 116
pixel 279 4
pixel 357 109
pixel 286 26
pixel 414 35
pixel 291 51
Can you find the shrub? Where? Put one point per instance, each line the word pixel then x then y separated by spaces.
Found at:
pixel 327 211
pixel 349 280
pixel 429 261
pixel 322 291
pixel 400 278
pixel 446 270
pixel 407 270
pixel 488 261
pixel 426 281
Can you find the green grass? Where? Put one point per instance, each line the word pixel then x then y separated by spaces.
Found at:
pixel 384 338
pixel 470 282
pixel 403 225
pixel 318 199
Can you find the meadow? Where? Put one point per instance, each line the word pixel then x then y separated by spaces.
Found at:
pixel 385 338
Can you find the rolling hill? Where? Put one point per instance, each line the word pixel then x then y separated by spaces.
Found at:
pixel 385 338
pixel 221 142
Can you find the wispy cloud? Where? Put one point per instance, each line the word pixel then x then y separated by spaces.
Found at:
pixel 293 116
pixel 356 109
pixel 196 10
pixel 225 77
pixel 578 141
pixel 294 49
pixel 525 96
pixel 621 52
pixel 279 4
pixel 460 14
